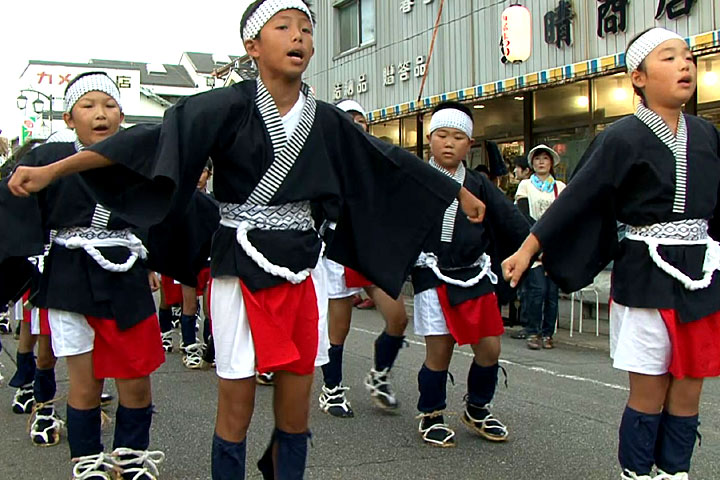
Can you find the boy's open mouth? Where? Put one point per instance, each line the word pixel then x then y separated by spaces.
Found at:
pixel 296 54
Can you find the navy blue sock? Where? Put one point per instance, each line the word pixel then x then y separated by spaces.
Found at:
pixel 481 384
pixel 291 454
pixel 44 388
pixel 638 435
pixel 675 443
pixel 187 326
pixel 83 431
pixel 165 317
pixel 332 371
pixel 25 372
pixel 228 459
pixel 433 390
pixel 132 427
pixel 386 350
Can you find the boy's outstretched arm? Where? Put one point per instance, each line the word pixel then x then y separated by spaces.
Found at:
pixel 27 180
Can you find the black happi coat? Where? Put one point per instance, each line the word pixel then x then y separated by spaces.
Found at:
pixel 71 279
pixel 627 175
pixel 390 198
pixel 499 235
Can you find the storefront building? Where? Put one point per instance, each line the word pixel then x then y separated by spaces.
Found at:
pixel 569 89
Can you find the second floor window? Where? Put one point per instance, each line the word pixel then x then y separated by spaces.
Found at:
pixel 355 24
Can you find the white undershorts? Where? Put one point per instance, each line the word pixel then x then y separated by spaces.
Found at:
pixel 336 285
pixel 234 347
pixel 639 341
pixel 18 310
pixel 428 316
pixel 71 333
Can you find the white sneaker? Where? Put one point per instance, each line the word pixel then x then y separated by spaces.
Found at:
pixel 24 399
pixel 45 425
pixel 94 467
pixel 333 402
pixel 167 341
pixel 137 464
pixel 193 356
pixel 376 382
pixel 666 476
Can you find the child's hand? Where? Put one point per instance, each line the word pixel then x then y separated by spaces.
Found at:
pixel 154 281
pixel 473 207
pixel 27 180
pixel 515 265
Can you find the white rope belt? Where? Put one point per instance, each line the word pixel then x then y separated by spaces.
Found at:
pixel 430 260
pixel 243 218
pixel 91 238
pixel 681 233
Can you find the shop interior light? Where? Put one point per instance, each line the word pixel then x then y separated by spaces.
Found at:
pixel 519 98
pixel 582 101
pixel 478 106
pixel 619 94
pixel 710 78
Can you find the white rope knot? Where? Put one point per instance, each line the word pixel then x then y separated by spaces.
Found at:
pixel 683 233
pixel 246 217
pixel 138 462
pixel 430 260
pixel 90 239
pixel 276 270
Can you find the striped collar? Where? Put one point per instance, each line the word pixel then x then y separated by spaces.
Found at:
pixel 677 144
pixel 448 226
pixel 285 151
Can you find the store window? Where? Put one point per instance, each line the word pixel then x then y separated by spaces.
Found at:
pixel 570 144
pixel 499 118
pixel 562 106
pixel 409 132
pixel 708 90
pixel 613 97
pixel 387 131
pixel 355 24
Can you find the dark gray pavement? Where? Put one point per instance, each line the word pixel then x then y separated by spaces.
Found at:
pixel 562 408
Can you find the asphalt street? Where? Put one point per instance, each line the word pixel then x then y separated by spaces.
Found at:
pixel 562 408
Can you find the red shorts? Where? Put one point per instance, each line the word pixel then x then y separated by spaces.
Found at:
pixel 473 319
pixel 354 279
pixel 695 345
pixel 132 353
pixel 203 279
pixel 41 312
pixel 172 292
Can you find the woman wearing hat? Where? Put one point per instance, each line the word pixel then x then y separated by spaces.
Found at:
pixel 540 294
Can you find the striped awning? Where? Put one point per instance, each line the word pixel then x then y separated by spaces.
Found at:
pixel 572 72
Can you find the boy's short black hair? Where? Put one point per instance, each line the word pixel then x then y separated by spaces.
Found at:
pixel 85 74
pixel 254 6
pixel 455 105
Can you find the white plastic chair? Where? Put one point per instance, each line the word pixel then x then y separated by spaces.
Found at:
pixel 579 295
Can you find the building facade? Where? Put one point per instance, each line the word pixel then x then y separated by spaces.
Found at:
pixel 378 53
pixel 146 89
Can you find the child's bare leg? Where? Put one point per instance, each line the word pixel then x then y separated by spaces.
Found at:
pixel 236 401
pixel 392 310
pixel 27 340
pixel 339 315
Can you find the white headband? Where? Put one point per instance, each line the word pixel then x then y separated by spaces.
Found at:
pixel 351 106
pixel 452 118
pixel 647 42
pixel 97 82
pixel 266 11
